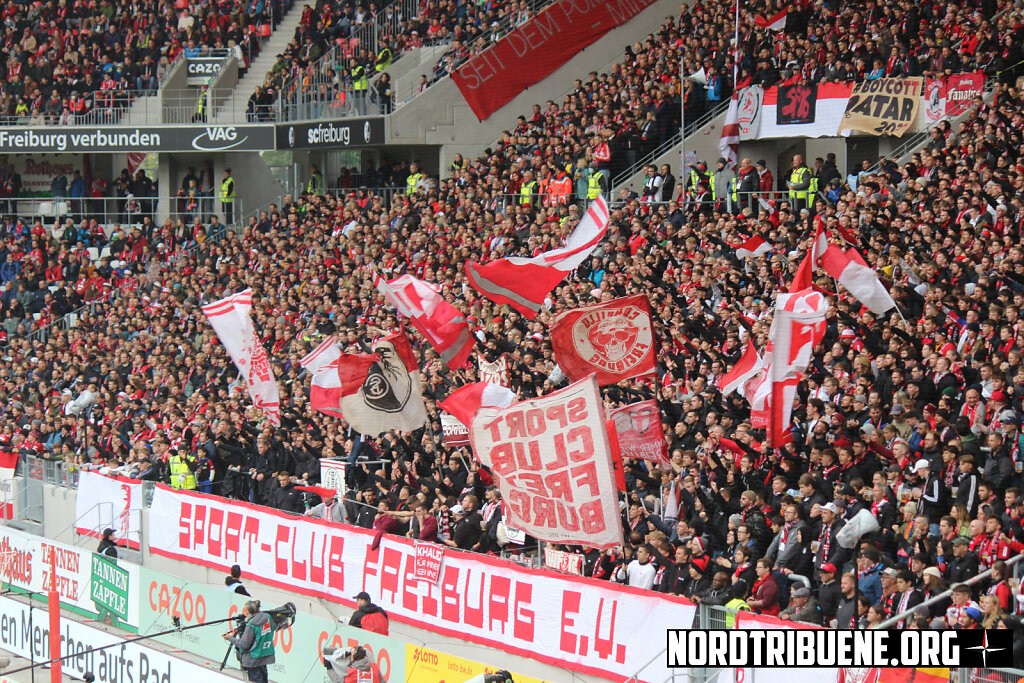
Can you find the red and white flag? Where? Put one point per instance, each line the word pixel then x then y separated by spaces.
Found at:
pixel 381 391
pixel 748 365
pixel 325 387
pixel 730 140
pixel 859 279
pixel 613 339
pixel 804 277
pixel 639 432
pixel 465 401
pixel 441 323
pixel 776 23
pixel 496 372
pixel 552 459
pixel 524 283
pixel 231 319
pixel 753 247
pixel 8 463
pixel 799 325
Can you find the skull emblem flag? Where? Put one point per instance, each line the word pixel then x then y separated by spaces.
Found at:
pixel 615 340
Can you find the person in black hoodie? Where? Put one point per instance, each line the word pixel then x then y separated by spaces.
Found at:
pixel 107 547
pixel 699 583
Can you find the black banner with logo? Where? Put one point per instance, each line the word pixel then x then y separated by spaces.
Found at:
pixel 201 69
pixel 796 104
pixel 147 139
pixel 327 134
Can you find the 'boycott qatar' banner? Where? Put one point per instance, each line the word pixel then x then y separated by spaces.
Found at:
pixel 586 625
pixel 533 51
pixel 552 459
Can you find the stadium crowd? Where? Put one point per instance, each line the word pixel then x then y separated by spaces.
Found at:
pixel 65 60
pixel 914 415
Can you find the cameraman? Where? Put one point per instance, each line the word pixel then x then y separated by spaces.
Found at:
pixel 256 644
pixel 360 668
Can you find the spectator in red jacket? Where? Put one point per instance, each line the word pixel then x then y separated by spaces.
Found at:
pixel 369 617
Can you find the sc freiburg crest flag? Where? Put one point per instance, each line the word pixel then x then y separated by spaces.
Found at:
pixel 615 340
pixel 381 391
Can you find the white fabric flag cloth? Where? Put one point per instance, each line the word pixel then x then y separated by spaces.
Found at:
pixel 325 388
pixel 859 279
pixel 231 319
pixel 798 327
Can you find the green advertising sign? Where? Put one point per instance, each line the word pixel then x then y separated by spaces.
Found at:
pixel 110 588
pixel 296 650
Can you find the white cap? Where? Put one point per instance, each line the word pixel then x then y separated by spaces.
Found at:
pixel 457 510
pixel 921 465
pixel 831 508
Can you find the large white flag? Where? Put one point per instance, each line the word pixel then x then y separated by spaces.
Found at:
pixel 552 459
pixel 798 327
pixel 232 321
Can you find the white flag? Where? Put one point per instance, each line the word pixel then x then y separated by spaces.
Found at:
pixel 232 321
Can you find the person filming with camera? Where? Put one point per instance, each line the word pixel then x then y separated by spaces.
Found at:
pixel 255 645
pixel 361 668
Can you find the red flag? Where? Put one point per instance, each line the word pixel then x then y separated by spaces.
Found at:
pixel 620 470
pixel 748 365
pixel 639 434
pixel 352 370
pixel 325 387
pixel 441 323
pixel 524 283
pixel 465 401
pixel 8 464
pixel 805 273
pixel 615 340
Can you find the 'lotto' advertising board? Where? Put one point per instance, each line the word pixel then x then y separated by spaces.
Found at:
pixel 581 624
pixel 296 649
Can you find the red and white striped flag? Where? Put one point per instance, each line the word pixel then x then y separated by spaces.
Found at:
pixel 231 319
pixel 730 140
pixel 8 463
pixel 776 23
pixel 441 323
pixel 465 401
pixel 748 365
pixel 524 283
pixel 753 247
pixel 805 273
pixel 325 388
pixel 798 326
pixel 859 279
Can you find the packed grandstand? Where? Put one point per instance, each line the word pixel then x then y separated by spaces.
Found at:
pixel 910 413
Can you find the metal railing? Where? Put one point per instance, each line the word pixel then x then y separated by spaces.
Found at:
pixel 111 212
pixel 324 89
pixel 664 148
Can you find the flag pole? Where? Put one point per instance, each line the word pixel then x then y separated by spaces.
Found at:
pixel 736 50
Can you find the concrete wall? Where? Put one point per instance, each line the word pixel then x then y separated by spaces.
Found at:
pixel 59 504
pixel 440 116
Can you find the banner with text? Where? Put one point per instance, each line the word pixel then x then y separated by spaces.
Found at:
pixel 559 560
pixel 455 433
pixel 536 48
pixel 961 89
pixel 884 106
pixel 93 585
pixel 429 557
pixel 163 597
pixel 109 503
pixel 552 459
pixel 27 637
pixel 638 427
pixel 589 626
pixel 423 665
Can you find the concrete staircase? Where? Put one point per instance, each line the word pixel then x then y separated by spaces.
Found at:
pixel 232 110
pixel 440 116
pixel 144 111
